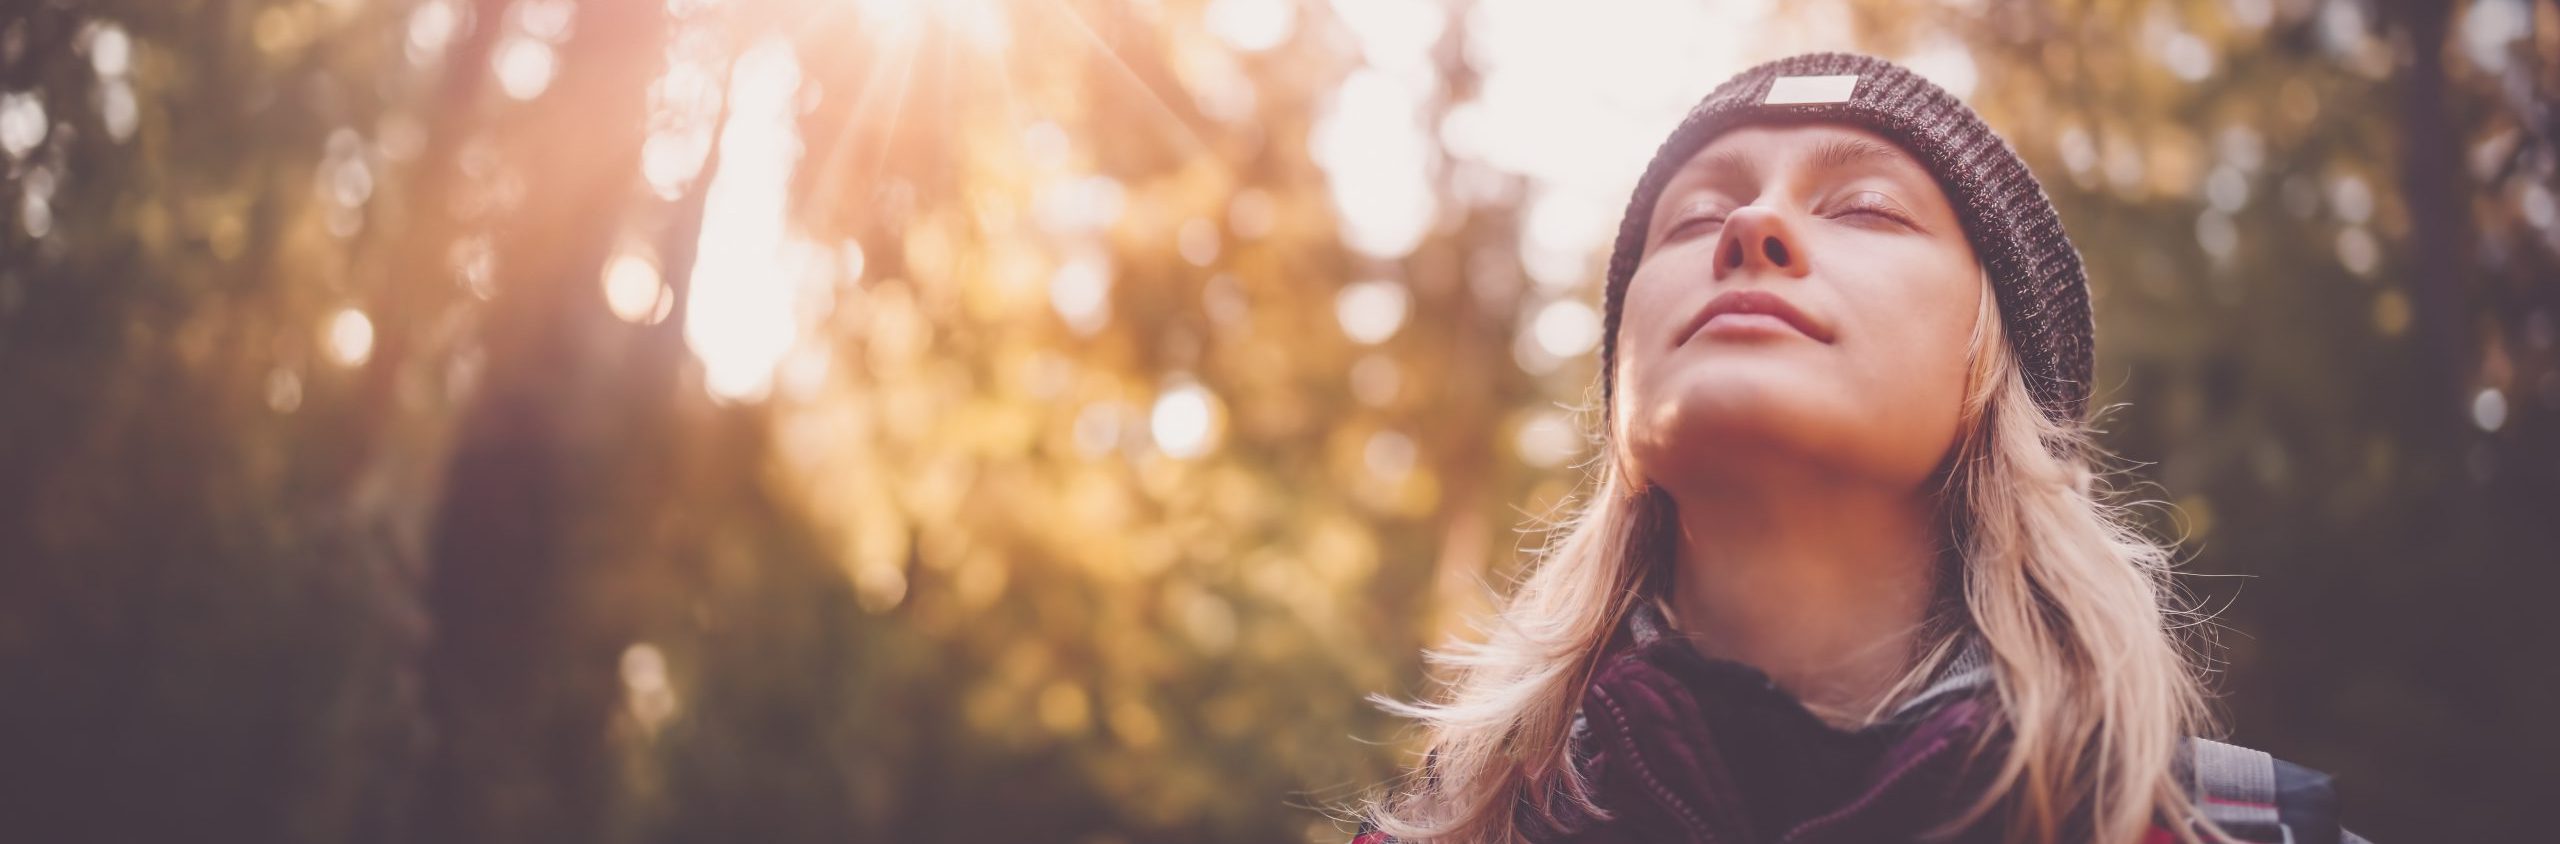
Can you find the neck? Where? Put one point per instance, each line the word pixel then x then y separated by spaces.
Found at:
pixel 1825 587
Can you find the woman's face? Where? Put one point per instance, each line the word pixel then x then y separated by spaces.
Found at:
pixel 1803 304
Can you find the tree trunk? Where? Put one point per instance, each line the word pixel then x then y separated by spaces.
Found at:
pixel 520 678
pixel 2434 190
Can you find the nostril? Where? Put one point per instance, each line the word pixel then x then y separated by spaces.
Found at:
pixel 1776 251
pixel 1732 257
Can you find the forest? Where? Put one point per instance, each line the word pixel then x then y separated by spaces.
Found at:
pixel 1049 420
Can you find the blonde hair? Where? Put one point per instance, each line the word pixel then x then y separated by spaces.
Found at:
pixel 2096 692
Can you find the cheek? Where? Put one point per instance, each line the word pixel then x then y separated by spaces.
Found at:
pixel 1643 322
pixel 1915 365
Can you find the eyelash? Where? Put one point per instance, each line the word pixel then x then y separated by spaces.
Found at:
pixel 1682 227
pixel 1876 208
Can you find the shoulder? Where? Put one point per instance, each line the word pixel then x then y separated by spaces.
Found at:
pixel 2258 797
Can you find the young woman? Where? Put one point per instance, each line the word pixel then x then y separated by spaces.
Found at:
pixel 1847 574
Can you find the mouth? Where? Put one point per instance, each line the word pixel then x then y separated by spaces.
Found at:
pixel 1752 312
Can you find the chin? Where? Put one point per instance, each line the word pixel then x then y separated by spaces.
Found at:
pixel 1736 415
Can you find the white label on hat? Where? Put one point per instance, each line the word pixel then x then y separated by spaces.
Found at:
pixel 1809 90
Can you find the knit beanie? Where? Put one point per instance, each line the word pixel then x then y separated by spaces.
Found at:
pixel 2035 273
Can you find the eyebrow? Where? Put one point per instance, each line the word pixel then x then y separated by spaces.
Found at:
pixel 1727 162
pixel 1844 152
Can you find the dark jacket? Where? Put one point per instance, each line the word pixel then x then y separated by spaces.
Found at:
pixel 1679 747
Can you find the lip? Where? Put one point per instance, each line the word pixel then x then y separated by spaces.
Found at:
pixel 1754 302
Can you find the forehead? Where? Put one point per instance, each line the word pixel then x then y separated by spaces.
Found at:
pixel 1766 149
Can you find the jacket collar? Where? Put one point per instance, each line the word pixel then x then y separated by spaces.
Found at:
pixel 1647 632
pixel 1643 736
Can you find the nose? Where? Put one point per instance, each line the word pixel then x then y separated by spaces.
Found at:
pixel 1759 239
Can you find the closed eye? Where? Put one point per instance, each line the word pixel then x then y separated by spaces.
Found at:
pixel 1874 206
pixel 1703 222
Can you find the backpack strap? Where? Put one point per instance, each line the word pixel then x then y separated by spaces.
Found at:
pixel 2235 788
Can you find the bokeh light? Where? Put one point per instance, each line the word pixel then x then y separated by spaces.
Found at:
pixel 350 337
pixel 1372 311
pixel 633 292
pixel 1185 421
pixel 22 123
pixel 778 420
